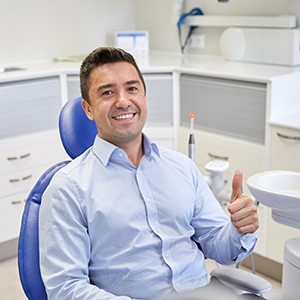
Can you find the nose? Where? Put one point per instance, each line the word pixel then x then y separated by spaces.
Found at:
pixel 122 100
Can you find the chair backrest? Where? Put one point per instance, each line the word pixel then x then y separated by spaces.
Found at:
pixel 28 247
pixel 77 134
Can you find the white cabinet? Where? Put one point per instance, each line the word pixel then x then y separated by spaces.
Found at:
pixel 22 161
pixel 29 143
pixel 284 155
pixel 229 122
pixel 160 106
pixel 229 125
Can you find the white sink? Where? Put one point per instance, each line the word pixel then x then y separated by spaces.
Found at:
pixel 279 190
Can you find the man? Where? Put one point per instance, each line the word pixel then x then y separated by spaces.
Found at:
pixel 124 220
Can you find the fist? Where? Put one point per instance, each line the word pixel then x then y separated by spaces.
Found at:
pixel 242 210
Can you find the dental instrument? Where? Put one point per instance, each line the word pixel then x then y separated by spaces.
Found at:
pixel 192 138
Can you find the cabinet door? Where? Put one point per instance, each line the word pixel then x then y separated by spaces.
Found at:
pixel 285 149
pixel 227 107
pixel 285 155
pixel 29 106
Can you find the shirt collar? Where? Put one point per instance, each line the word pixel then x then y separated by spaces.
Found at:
pixel 104 149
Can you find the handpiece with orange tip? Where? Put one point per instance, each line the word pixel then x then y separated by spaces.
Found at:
pixel 192 138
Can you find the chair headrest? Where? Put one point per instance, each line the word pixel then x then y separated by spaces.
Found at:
pixel 77 132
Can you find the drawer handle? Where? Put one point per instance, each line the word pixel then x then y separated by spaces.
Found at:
pixel 288 137
pixel 17 202
pixel 20 157
pixel 12 158
pixel 26 177
pixel 13 180
pixel 25 155
pixel 213 156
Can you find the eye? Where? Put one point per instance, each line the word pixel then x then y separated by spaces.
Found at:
pixel 107 93
pixel 132 88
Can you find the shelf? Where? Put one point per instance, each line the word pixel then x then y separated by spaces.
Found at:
pixel 282 21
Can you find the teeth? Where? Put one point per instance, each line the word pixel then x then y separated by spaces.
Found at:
pixel 122 117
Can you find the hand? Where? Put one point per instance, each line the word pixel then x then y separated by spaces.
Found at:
pixel 243 211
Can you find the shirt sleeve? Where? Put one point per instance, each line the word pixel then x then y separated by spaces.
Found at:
pixel 65 245
pixel 214 231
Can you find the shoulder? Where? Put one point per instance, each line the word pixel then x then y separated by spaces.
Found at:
pixel 78 163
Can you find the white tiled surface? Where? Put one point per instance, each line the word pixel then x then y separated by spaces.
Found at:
pixel 10 286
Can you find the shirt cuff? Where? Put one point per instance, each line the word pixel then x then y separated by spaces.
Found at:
pixel 245 243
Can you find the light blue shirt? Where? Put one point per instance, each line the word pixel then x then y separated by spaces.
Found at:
pixel 109 230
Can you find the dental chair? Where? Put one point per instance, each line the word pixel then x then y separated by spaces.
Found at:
pixel 73 125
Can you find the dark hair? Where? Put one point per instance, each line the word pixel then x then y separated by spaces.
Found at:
pixel 99 57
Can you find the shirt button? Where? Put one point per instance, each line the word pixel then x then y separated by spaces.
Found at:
pixel 148 199
pixel 166 255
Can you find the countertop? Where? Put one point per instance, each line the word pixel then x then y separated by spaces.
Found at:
pixel 291 121
pixel 214 66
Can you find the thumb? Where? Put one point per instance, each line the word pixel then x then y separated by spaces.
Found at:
pixel 237 186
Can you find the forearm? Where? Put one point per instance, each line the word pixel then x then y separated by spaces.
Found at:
pixel 228 246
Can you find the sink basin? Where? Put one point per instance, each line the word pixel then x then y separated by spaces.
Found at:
pixel 279 190
pixel 276 189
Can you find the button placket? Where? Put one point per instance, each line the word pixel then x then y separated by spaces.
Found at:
pixel 152 214
pixel 153 221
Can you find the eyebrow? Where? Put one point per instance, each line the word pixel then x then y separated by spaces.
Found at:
pixel 130 82
pixel 109 85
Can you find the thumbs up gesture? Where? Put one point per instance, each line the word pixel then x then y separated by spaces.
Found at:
pixel 243 211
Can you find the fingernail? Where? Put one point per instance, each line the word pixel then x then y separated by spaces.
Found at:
pixel 238 171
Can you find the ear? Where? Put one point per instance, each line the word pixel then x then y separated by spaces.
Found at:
pixel 87 108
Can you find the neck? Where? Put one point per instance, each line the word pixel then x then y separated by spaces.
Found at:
pixel 134 150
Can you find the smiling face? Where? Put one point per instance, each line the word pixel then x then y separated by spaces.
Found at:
pixel 117 103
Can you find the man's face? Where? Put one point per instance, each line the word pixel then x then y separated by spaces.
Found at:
pixel 117 102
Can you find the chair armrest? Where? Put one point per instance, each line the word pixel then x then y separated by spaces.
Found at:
pixel 241 280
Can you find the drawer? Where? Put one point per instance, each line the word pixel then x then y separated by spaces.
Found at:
pixel 29 151
pixel 30 156
pixel 10 216
pixel 285 149
pixel 21 181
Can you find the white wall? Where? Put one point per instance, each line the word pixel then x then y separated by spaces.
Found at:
pixel 156 15
pixel 37 29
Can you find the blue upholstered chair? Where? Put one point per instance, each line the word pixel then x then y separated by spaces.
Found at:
pixel 77 134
